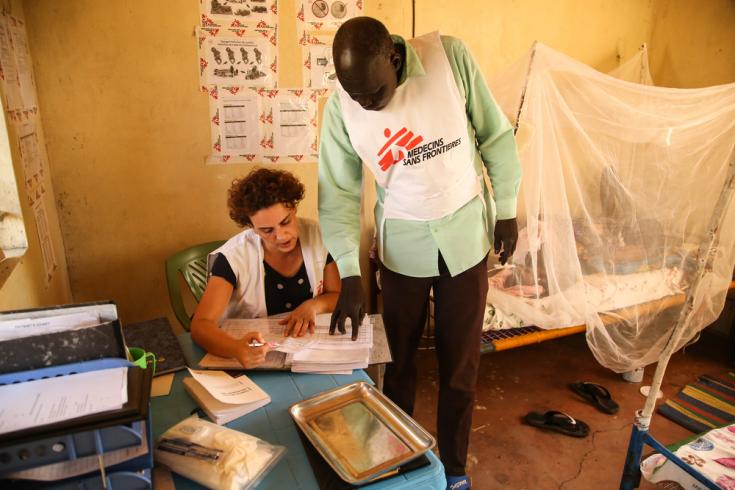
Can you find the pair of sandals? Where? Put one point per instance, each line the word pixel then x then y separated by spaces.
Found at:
pixel 564 423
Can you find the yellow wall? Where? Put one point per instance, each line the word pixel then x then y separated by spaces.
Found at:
pixel 127 132
pixel 693 43
pixel 26 287
pixel 499 32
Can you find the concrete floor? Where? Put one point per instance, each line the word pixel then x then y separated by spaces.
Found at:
pixel 506 453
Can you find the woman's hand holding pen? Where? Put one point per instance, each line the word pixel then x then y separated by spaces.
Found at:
pixel 250 350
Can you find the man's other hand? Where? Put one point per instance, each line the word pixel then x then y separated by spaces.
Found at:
pixel 506 236
pixel 350 304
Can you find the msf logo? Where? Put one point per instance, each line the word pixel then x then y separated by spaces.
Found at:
pixel 397 147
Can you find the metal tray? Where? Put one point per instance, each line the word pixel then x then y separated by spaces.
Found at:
pixel 360 432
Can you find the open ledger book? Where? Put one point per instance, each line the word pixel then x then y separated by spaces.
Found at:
pixel 314 353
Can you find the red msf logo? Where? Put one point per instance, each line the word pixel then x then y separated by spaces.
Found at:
pixel 397 147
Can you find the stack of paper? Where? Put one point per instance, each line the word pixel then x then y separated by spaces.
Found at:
pixel 313 353
pixel 322 361
pixel 47 401
pixel 330 354
pixel 224 398
pixel 237 328
pixel 28 327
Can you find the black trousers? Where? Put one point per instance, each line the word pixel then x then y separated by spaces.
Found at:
pixel 459 306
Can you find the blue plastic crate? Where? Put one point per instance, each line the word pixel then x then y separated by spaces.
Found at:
pixel 49 450
pixel 116 480
pixel 63 370
pixel 86 436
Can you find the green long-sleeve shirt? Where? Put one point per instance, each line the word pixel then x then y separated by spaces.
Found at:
pixel 412 247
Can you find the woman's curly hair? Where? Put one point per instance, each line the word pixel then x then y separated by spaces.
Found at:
pixel 260 189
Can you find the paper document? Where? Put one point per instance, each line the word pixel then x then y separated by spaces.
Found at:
pixel 270 329
pixel 322 339
pixel 46 401
pixel 236 61
pixel 322 73
pixel 291 120
pixel 8 65
pixel 19 41
pixel 27 327
pixel 227 389
pixel 272 332
pixel 235 129
pixel 273 360
pixel 330 361
pixel 344 353
pixel 237 328
pixel 332 356
pixel 31 157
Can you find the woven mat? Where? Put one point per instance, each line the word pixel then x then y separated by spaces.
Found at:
pixel 703 405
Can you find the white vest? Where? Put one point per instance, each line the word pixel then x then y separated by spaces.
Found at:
pixel 417 147
pixel 244 252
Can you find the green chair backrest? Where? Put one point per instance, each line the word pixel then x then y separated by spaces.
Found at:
pixel 192 264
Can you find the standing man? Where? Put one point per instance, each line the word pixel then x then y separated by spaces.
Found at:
pixel 420 117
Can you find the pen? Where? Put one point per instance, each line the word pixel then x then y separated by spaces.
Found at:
pixel 255 343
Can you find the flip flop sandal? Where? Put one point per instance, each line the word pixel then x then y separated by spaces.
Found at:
pixel 558 422
pixel 597 395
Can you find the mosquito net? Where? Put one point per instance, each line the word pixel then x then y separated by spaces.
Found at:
pixel 636 69
pixel 621 181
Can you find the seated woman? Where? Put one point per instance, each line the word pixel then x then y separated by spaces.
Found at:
pixel 277 265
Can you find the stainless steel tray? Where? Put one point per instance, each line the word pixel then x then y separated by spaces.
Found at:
pixel 360 432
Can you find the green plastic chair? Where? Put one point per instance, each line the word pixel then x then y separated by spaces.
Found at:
pixel 192 264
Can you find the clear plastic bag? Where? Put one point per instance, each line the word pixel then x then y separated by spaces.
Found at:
pixel 215 456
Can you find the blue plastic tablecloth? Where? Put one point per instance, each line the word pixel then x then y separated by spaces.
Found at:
pixel 274 424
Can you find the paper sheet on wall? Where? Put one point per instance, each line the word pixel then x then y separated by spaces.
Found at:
pixel 44 238
pixel 237 57
pixel 46 401
pixel 30 155
pixel 319 64
pixel 11 222
pixel 234 122
pixel 317 23
pixel 324 17
pixel 36 194
pixel 288 135
pixel 235 13
pixel 19 41
pixel 29 152
pixel 11 84
pixel 291 124
pixel 330 10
